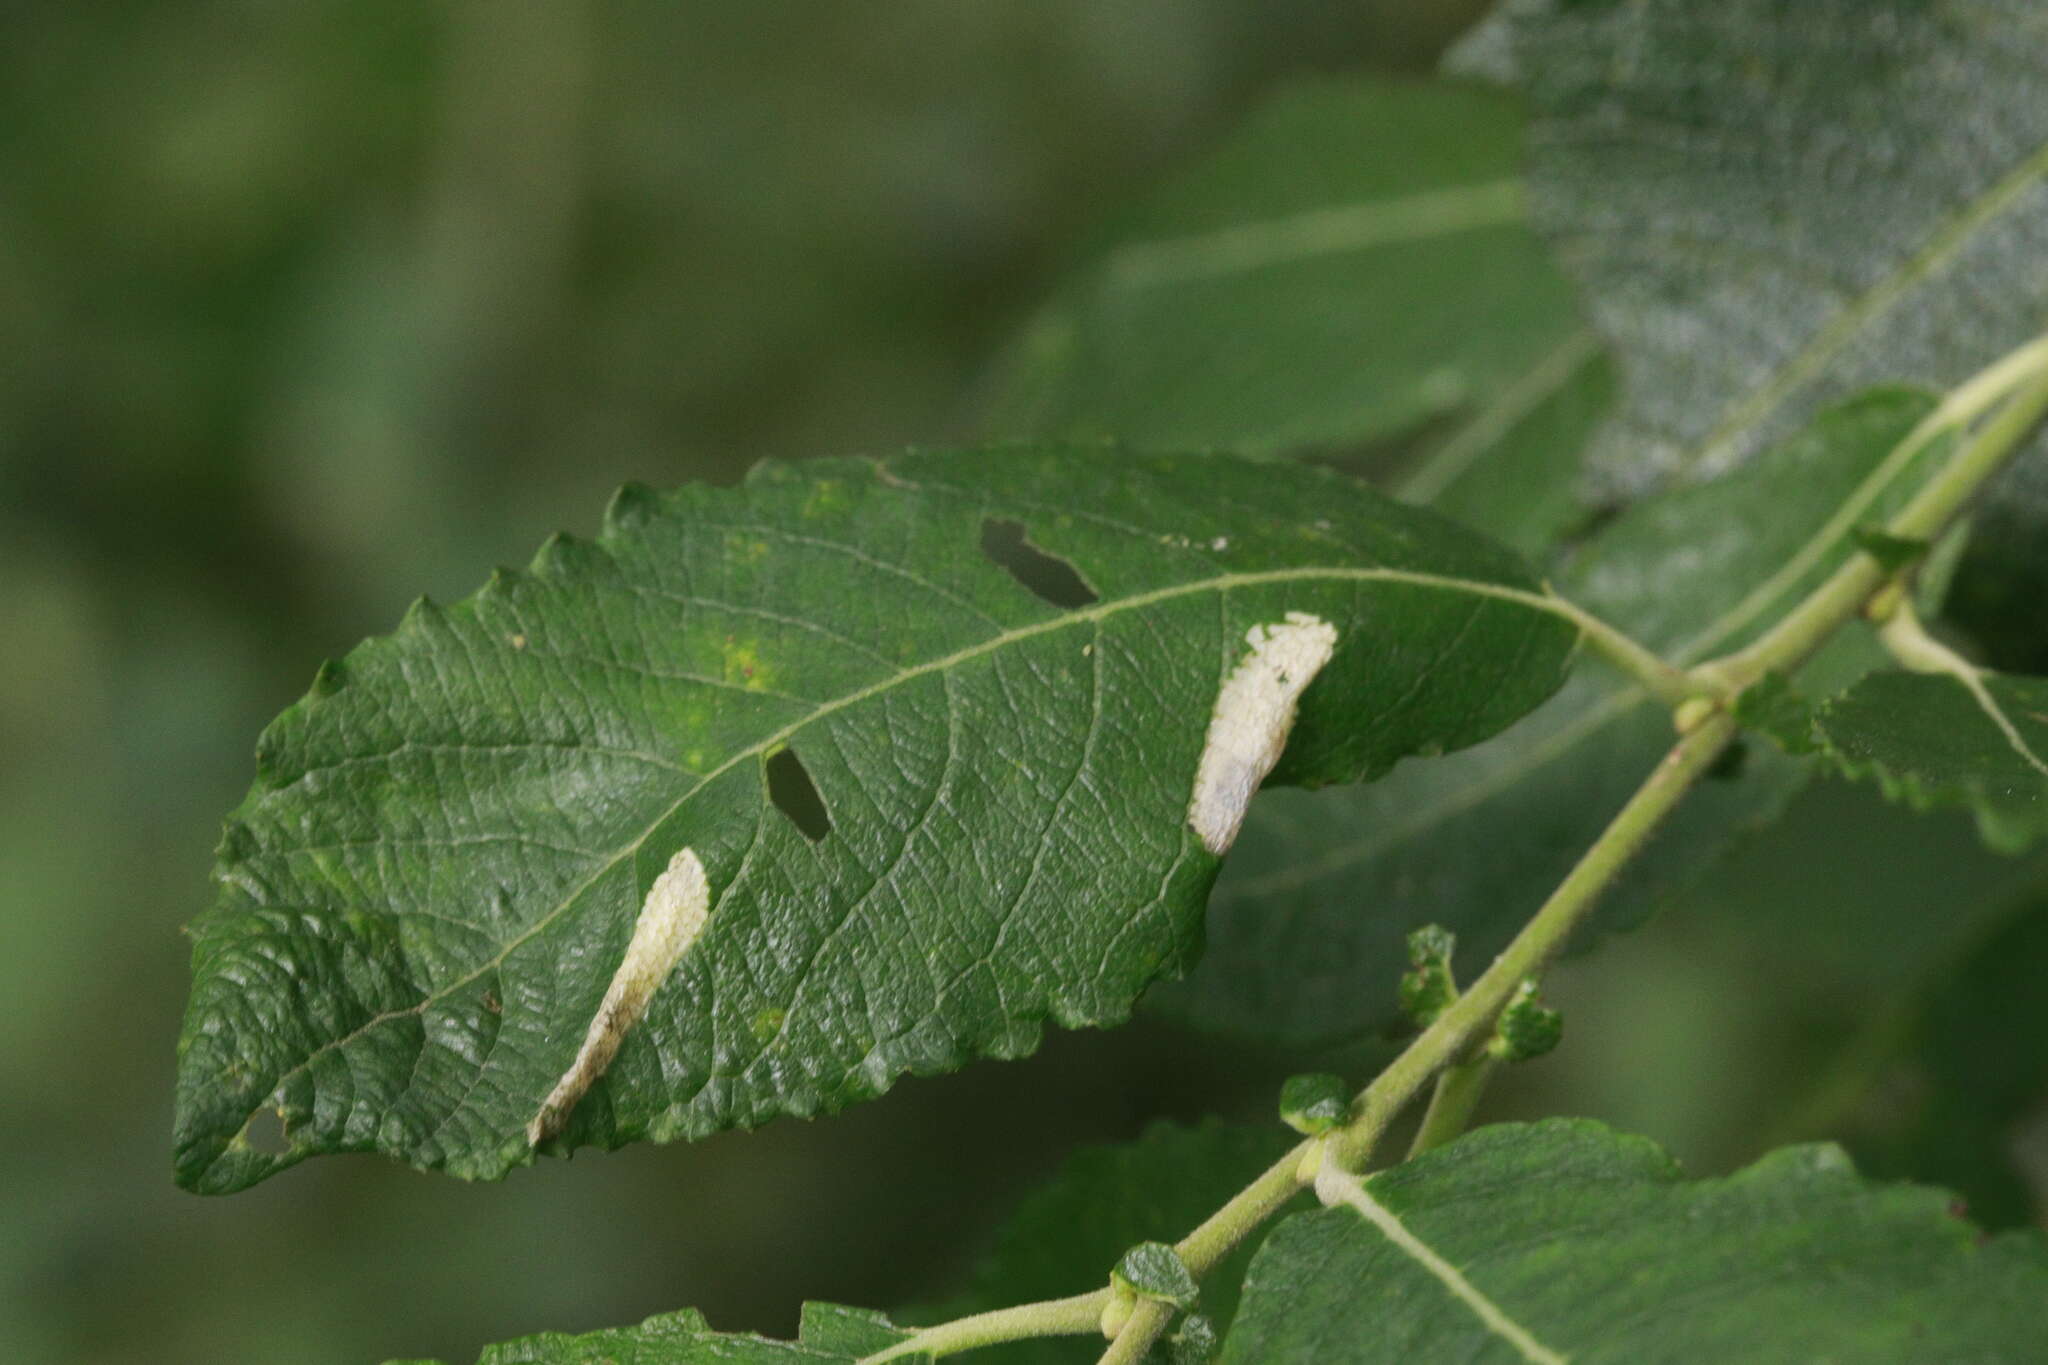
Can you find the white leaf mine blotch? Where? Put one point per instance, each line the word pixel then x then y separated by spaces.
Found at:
pixel 677 908
pixel 1255 709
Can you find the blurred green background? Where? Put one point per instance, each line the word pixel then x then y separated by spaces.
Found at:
pixel 309 309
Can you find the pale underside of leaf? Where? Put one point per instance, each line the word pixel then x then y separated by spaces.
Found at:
pixel 1751 243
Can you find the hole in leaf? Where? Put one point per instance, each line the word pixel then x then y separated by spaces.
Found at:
pixel 265 1133
pixel 1046 576
pixel 794 794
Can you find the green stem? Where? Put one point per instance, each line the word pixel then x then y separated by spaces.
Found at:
pixel 1461 1024
pixel 1458 1089
pixel 1809 624
pixel 1053 1318
pixel 2021 377
pixel 1455 1031
pixel 1201 1249
pixel 1144 1326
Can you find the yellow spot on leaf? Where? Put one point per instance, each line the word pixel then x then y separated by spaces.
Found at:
pixel 743 664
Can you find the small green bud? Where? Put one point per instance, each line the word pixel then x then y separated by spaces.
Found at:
pixel 1154 1270
pixel 1526 1028
pixel 1427 987
pixel 1314 1103
pixel 1195 1343
pixel 1692 713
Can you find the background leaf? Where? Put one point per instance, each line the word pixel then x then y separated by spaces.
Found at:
pixel 1813 948
pixel 1963 1076
pixel 429 887
pixel 1591 1244
pixel 1349 264
pixel 1313 907
pixel 1064 1237
pixel 1772 206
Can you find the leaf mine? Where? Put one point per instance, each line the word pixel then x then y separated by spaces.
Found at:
pixel 1255 710
pixel 673 917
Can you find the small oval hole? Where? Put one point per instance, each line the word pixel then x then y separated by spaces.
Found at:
pixel 266 1133
pixel 1047 577
pixel 793 793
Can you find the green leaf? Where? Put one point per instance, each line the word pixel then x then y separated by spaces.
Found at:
pixel 424 896
pixel 1564 1240
pixel 1932 740
pixel 1773 706
pixel 1780 205
pixel 1429 985
pixel 1194 1342
pixel 1315 1102
pixel 1350 263
pixel 1821 938
pixel 1515 468
pixel 1153 1270
pixel 1527 1030
pixel 2002 575
pixel 827 1333
pixel 1306 924
pixel 1064 1237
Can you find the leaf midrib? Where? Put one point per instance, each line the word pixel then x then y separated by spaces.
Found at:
pixel 1351 1191
pixel 1002 639
pixel 1625 695
pixel 1332 230
pixel 1939 248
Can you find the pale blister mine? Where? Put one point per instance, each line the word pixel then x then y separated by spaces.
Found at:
pixel 1255 710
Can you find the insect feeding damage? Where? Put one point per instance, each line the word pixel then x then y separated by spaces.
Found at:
pixel 1255 710
pixel 673 917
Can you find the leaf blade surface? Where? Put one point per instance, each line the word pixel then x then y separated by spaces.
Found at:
pixel 427 890
pixel 1931 741
pixel 1350 263
pixel 1564 1240
pixel 1312 910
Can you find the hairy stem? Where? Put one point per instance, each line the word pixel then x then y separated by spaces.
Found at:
pixel 1458 1089
pixel 1222 1230
pixel 1052 1318
pixel 1467 1017
pixel 1455 1032
pixel 2020 382
pixel 1809 624
pixel 1148 1320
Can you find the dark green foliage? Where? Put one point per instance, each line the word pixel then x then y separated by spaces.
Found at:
pixel 1322 887
pixel 1592 1247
